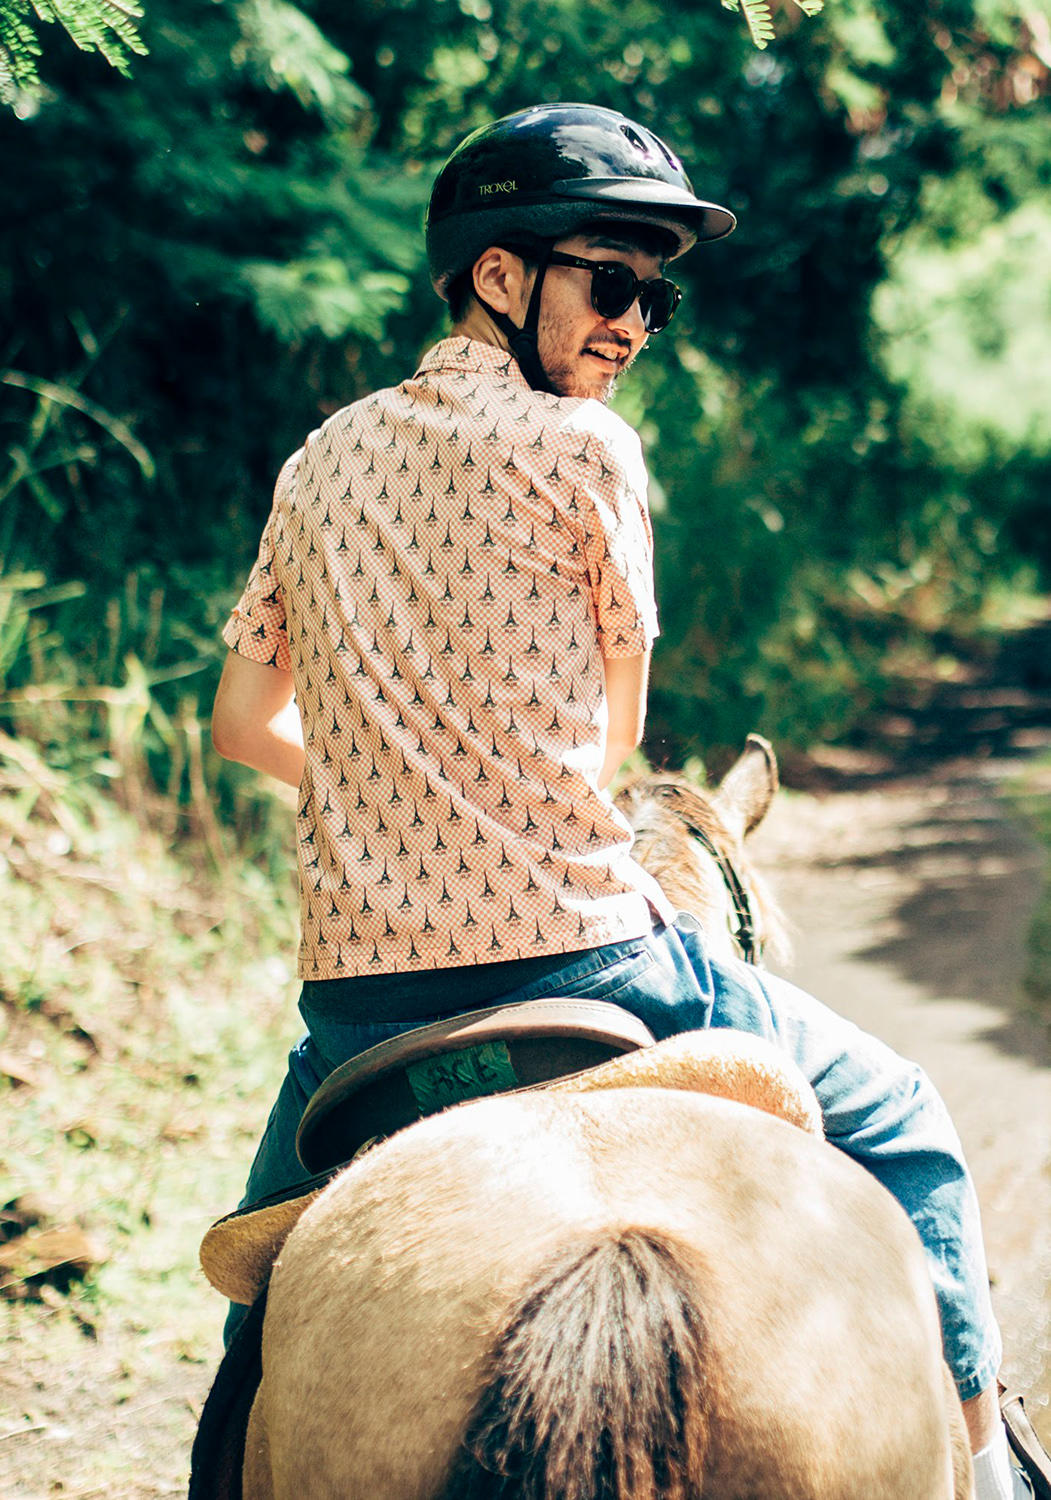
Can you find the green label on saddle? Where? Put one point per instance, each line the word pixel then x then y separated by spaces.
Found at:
pixel 452 1077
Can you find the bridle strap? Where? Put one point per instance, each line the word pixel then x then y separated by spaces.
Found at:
pixel 524 340
pixel 745 936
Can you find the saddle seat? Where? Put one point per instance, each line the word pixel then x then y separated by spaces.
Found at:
pixel 502 1049
pixel 562 1045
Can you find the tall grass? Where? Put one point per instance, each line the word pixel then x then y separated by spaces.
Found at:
pixel 147 1000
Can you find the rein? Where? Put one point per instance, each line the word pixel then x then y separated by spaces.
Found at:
pixel 744 934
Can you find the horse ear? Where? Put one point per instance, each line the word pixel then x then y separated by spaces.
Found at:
pixel 746 791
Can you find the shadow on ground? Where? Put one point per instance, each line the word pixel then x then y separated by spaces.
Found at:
pixel 975 880
pixel 995 709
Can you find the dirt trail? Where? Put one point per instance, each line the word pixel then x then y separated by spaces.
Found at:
pixel 912 896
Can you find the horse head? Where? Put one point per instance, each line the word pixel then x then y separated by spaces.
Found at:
pixel 691 839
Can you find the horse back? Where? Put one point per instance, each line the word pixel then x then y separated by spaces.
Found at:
pixel 648 1293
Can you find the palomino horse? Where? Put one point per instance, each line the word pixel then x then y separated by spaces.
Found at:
pixel 641 1294
pixel 609 1291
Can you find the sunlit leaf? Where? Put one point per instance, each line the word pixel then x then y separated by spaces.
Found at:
pixel 760 22
pixel 301 297
pixel 285 48
pixel 105 26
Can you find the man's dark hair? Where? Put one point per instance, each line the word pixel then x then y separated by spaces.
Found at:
pixel 461 289
pixel 651 239
pixel 459 293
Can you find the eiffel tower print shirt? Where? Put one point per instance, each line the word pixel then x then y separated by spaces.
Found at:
pixel 445 567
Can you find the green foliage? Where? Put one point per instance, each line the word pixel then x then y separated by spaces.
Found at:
pixel 280 43
pixel 294 298
pixel 757 18
pixel 969 334
pixel 21 594
pixel 206 259
pixel 283 48
pixel 1030 797
pixel 104 26
pixel 133 1087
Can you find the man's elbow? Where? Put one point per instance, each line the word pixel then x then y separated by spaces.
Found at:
pixel 228 734
pixel 224 740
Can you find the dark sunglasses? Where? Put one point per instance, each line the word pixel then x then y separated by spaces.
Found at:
pixel 614 287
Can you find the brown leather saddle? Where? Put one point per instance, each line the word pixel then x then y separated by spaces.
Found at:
pixel 499 1050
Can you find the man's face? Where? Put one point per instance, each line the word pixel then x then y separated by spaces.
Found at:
pixel 583 353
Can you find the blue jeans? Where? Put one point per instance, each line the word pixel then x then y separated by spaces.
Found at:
pixel 878 1108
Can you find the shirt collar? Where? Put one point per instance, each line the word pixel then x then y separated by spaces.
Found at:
pixel 472 357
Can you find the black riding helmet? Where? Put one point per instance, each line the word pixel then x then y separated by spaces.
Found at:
pixel 541 174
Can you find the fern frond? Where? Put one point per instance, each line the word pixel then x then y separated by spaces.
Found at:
pixel 758 18
pixel 759 21
pixel 19 50
pixel 105 26
pixel 284 48
pixel 300 297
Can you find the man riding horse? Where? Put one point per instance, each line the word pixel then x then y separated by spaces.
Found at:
pixel 444 645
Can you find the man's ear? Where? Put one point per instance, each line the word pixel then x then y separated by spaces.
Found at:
pixel 499 278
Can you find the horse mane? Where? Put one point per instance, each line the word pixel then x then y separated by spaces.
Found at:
pixel 661 810
pixel 599 1384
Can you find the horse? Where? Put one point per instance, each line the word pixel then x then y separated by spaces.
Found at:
pixel 555 1297
pixel 606 1290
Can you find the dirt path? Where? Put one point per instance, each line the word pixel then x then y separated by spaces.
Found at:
pixel 911 900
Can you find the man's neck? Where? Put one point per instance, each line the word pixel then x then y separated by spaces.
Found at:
pixel 477 324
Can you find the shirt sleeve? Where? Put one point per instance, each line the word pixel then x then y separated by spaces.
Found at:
pixel 618 544
pixel 257 627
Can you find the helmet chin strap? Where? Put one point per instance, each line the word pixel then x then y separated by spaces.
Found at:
pixel 523 341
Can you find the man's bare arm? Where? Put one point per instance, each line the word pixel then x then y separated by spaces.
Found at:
pixel 255 719
pixel 626 682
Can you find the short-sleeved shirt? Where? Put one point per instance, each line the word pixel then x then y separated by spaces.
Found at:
pixel 445 567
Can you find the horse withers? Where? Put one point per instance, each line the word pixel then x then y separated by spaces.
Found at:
pixel 644 1294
